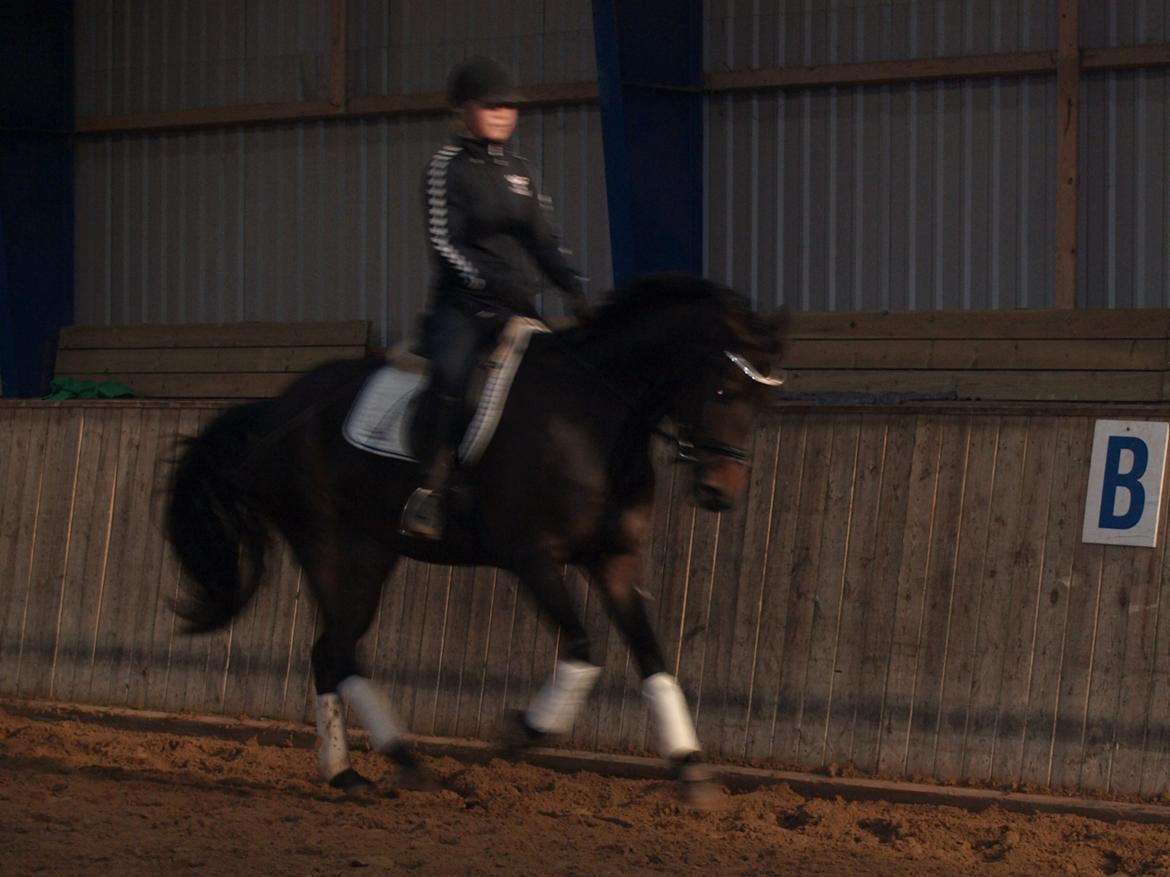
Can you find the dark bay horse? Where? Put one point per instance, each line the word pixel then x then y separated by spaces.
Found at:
pixel 567 479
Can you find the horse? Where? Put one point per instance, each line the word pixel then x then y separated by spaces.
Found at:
pixel 567 479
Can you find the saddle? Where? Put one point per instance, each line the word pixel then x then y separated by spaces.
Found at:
pixel 382 416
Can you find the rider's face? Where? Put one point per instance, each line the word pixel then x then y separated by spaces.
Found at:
pixel 494 122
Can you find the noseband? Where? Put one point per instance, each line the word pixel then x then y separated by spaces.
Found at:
pixel 685 448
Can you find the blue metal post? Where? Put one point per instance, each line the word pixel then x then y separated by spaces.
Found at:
pixel 36 189
pixel 650 80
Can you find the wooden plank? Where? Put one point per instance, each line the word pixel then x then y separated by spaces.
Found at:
pixel 931 648
pixel 881 588
pixel 768 643
pixel 978 479
pixel 1076 660
pixel 1154 771
pixel 112 629
pixel 1039 324
pixel 198 360
pixel 265 692
pixel 1107 668
pixel 1068 101
pixel 820 669
pixel 200 386
pixel 331 333
pixel 89 536
pixel 50 553
pixel 800 613
pixel 1126 57
pixel 898 686
pixel 453 662
pixel 1024 557
pixel 22 492
pixel 1062 550
pixel 433 642
pixel 411 681
pixel 338 32
pixel 298 699
pixel 877 72
pixel 707 533
pixel 998 607
pixel 131 594
pixel 494 678
pixel 1128 386
pixel 728 734
pixel 1075 354
pixel 719 721
pixel 863 595
pixel 1134 735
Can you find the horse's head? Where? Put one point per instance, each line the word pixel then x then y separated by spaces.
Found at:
pixel 693 350
pixel 717 417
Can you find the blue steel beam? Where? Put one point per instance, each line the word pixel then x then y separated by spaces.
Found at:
pixel 36 189
pixel 650 83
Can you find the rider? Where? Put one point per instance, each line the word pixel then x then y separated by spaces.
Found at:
pixel 484 211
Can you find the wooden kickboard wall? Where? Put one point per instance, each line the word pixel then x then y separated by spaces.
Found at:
pixel 903 590
pixel 204 360
pixel 1029 355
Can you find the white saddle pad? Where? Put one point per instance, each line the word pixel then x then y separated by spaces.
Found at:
pixel 379 421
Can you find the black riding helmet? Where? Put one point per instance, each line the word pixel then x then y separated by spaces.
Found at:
pixel 482 80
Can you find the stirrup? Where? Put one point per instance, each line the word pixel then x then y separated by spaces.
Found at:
pixel 422 516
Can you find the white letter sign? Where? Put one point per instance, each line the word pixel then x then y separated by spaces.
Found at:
pixel 1125 483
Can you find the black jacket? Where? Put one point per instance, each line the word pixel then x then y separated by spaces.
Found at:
pixel 484 212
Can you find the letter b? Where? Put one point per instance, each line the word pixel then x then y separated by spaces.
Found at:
pixel 1130 481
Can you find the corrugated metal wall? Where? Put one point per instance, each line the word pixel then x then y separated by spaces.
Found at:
pixel 904 591
pixel 914 196
pixel 936 195
pixel 319 220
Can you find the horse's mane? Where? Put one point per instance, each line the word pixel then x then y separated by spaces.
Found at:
pixel 652 293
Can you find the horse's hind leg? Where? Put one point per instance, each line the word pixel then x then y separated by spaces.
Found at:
pixel 347 582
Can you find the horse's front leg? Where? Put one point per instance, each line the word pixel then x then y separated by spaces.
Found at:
pixel 677 742
pixel 559 700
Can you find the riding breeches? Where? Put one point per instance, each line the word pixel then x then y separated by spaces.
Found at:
pixel 456 336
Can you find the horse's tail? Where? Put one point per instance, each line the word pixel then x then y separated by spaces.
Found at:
pixel 213 523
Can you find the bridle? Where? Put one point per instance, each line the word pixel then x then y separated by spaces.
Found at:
pixel 687 448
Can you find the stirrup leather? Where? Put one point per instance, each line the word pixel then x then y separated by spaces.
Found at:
pixel 423 514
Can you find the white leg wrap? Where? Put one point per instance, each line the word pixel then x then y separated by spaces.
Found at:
pixel 672 719
pixel 332 751
pixel 373 709
pixel 560 698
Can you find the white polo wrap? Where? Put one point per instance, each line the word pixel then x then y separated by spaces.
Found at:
pixel 672 719
pixel 332 751
pixel 373 709
pixel 560 698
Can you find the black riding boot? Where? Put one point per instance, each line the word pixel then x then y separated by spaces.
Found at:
pixel 425 512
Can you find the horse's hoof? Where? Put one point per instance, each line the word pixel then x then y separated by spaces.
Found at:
pixel 416 778
pixel 352 783
pixel 696 785
pixel 519 735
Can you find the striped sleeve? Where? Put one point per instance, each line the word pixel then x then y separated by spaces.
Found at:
pixel 438 219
